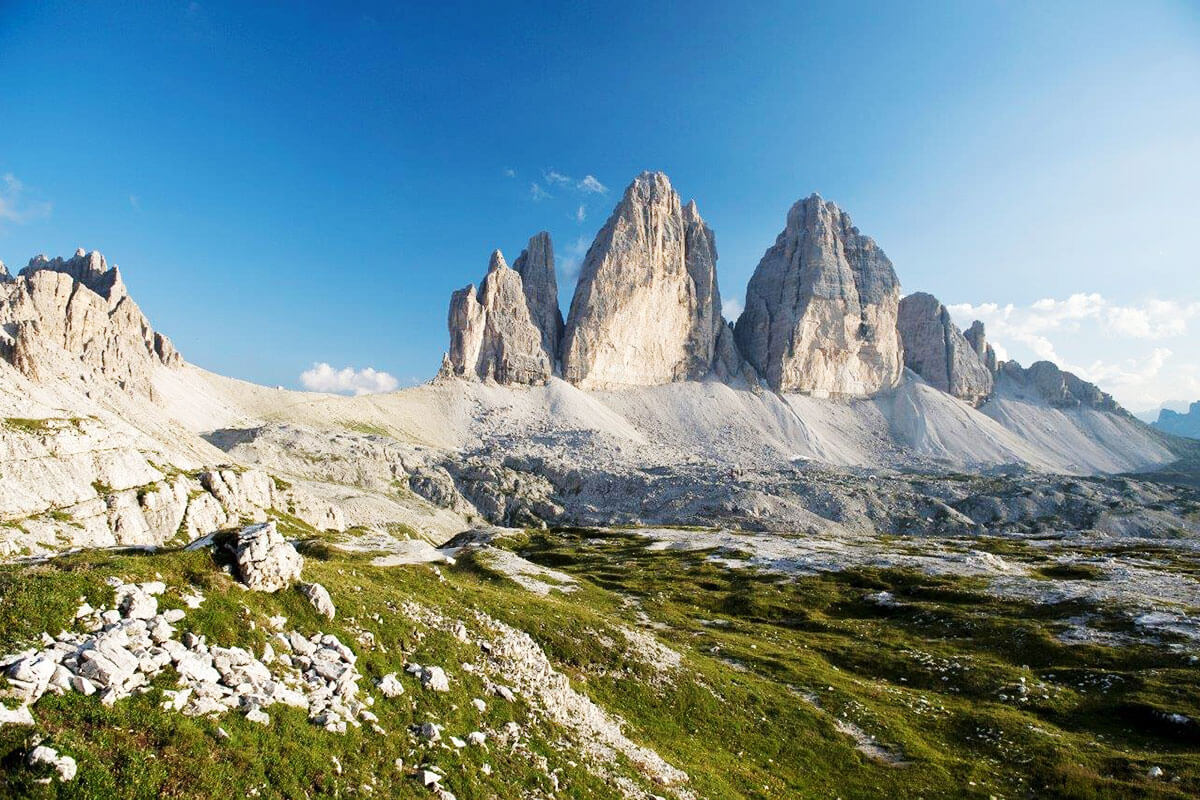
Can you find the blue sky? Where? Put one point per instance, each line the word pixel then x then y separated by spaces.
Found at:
pixel 284 184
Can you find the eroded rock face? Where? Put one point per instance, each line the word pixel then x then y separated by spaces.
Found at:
pixel 535 265
pixel 79 310
pixel 1057 387
pixel 935 349
pixel 821 308
pixel 492 335
pixel 977 336
pixel 647 309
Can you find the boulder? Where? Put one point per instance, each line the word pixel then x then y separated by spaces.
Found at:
pixel 64 765
pixel 821 308
pixel 318 595
pixel 266 561
pixel 647 308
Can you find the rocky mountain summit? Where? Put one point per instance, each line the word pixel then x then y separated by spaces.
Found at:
pixel 1059 388
pixel 821 308
pixel 936 349
pixel 647 309
pixel 493 335
pixel 1180 424
pixel 66 315
pixel 535 265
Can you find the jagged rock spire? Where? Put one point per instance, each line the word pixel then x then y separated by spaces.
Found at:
pixel 492 335
pixel 821 308
pixel 77 310
pixel 935 349
pixel 977 336
pixel 647 308
pixel 535 265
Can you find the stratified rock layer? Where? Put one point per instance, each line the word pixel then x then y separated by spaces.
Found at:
pixel 647 308
pixel 535 265
pixel 78 310
pixel 935 349
pixel 821 308
pixel 492 335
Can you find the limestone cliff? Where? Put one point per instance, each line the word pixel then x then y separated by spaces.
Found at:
pixel 821 308
pixel 535 265
pixel 63 315
pixel 936 349
pixel 647 308
pixel 492 334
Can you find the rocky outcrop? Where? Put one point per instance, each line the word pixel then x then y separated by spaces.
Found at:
pixel 492 334
pixel 647 309
pixel 59 315
pixel 977 336
pixel 1058 388
pixel 266 561
pixel 81 483
pixel 535 265
pixel 935 349
pixel 1180 424
pixel 821 307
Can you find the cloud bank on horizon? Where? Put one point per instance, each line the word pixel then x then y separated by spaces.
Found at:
pixel 1141 353
pixel 325 378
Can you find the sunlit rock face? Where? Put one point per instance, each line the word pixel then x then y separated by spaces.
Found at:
pixel 935 349
pixel 535 265
pixel 492 335
pixel 821 308
pixel 647 308
pixel 59 315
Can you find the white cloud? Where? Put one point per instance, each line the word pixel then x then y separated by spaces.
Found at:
pixel 731 308
pixel 590 184
pixel 581 213
pixel 15 206
pixel 1117 346
pixel 324 378
pixel 570 259
pixel 509 172
pixel 553 177
pixel 537 192
pixel 135 202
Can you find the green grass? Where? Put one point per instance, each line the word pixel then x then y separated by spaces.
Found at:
pixel 26 425
pixel 936 680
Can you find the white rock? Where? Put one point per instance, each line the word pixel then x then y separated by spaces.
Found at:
pixel 477 738
pixel 266 561
pixel 65 765
pixel 319 597
pixel 390 685
pixel 434 678
pixel 259 716
pixel 16 716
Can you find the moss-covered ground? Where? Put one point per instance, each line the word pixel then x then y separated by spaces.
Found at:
pixel 964 694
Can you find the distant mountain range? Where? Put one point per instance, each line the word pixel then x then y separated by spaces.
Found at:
pixel 644 403
pixel 1180 424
